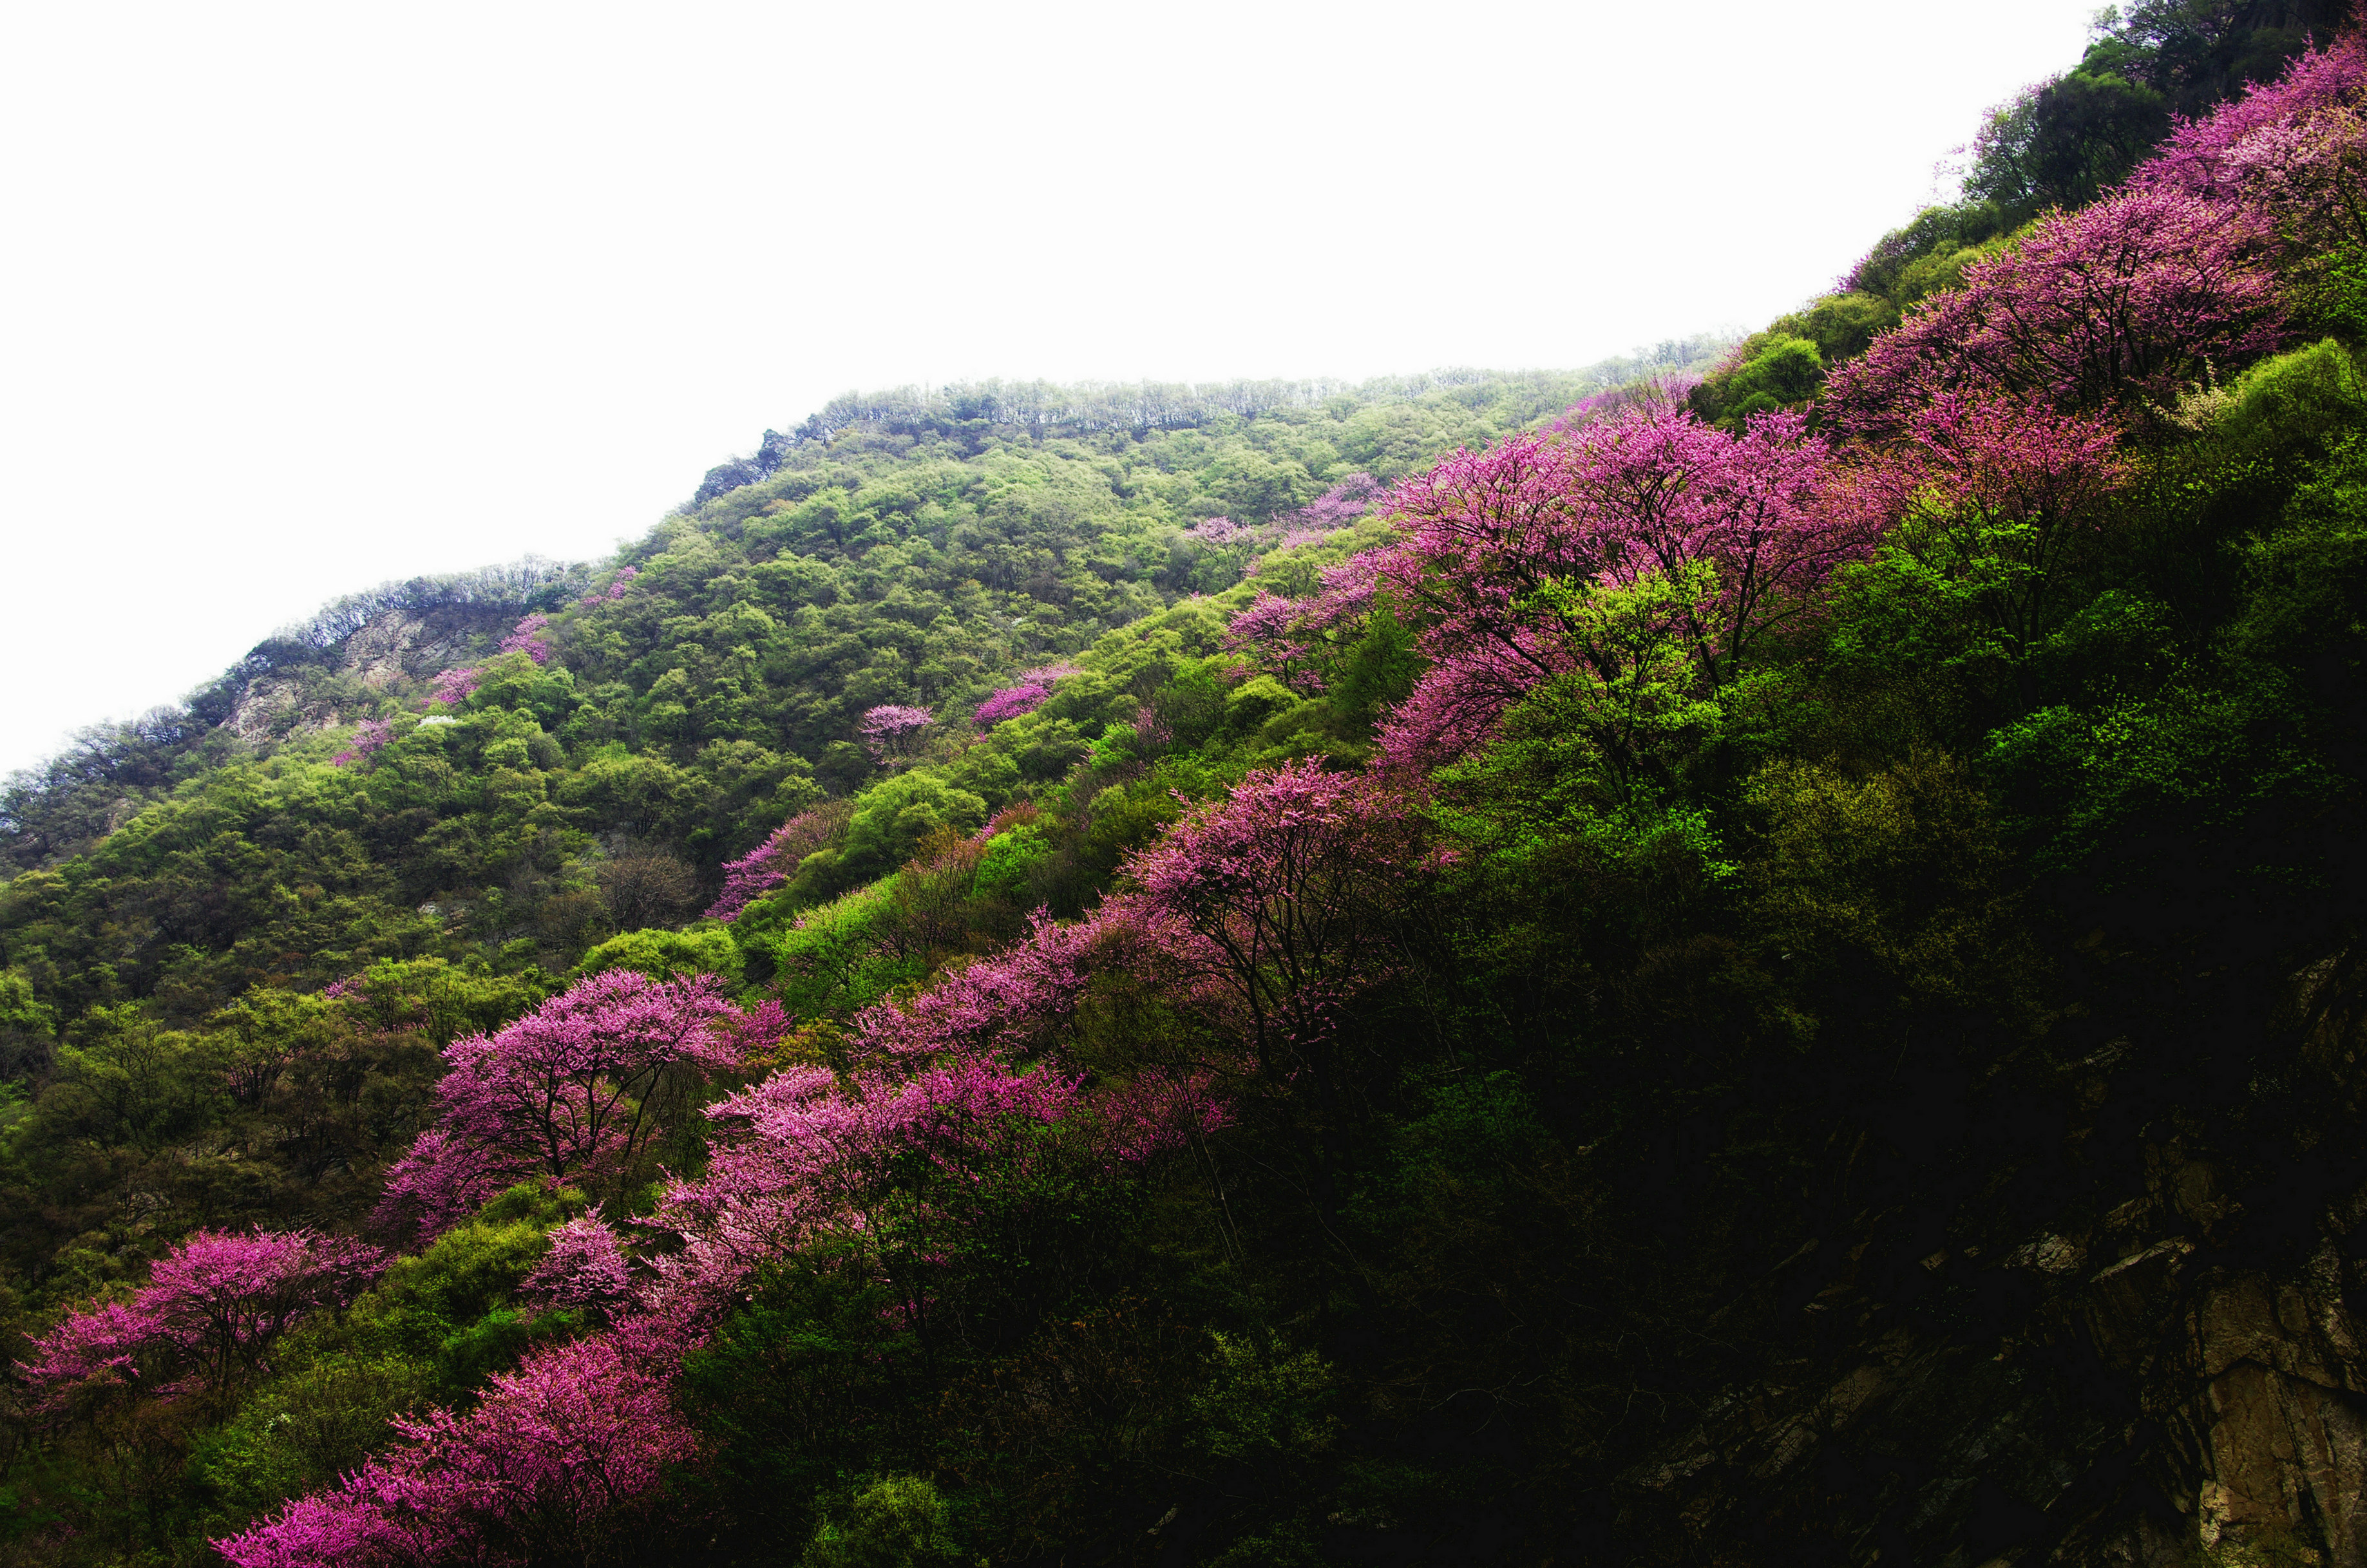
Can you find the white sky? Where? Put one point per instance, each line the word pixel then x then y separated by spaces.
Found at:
pixel 297 299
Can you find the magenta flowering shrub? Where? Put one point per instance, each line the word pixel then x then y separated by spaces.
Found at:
pixel 1504 554
pixel 616 588
pixel 776 860
pixel 950 1098
pixel 1505 557
pixel 2166 281
pixel 586 1270
pixel 548 1467
pixel 1341 505
pixel 208 1317
pixel 531 637
pixel 370 736
pixel 1280 898
pixel 1019 1002
pixel 1012 702
pixel 2123 300
pixel 890 731
pixel 1336 508
pixel 566 1091
pixel 453 686
pixel 1295 638
pixel 1983 478
pixel 2200 155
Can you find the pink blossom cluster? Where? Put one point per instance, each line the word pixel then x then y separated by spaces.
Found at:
pixel 564 1092
pixel 586 1270
pixel 209 1315
pixel 530 637
pixel 2200 156
pixel 1150 728
pixel 1262 916
pixel 891 730
pixel 453 686
pixel 1292 636
pixel 772 862
pixel 370 736
pixel 546 1466
pixel 2164 281
pixel 1503 551
pixel 960 1090
pixel 623 580
pixel 942 1104
pixel 1335 509
pixel 1981 475
pixel 1012 702
pixel 1030 692
pixel 2120 302
pixel 1279 899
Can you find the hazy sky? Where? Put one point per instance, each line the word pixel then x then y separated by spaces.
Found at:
pixel 297 299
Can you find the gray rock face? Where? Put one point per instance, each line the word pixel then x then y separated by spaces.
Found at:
pixel 396 649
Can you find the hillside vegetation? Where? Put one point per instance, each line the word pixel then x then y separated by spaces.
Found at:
pixel 1752 955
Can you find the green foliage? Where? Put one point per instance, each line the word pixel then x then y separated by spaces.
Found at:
pixel 1896 882
pixel 1771 370
pixel 1265 1408
pixel 302 1430
pixel 2063 142
pixel 2288 408
pixel 666 954
pixel 1378 671
pixel 1012 857
pixel 897 1521
pixel 123 1081
pixel 893 818
pixel 833 960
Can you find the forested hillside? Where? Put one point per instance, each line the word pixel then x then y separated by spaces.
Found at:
pixel 1750 956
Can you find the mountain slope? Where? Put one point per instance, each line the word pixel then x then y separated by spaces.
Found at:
pixel 1764 973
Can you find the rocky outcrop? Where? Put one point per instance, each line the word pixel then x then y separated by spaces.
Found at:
pixel 2159 1396
pixel 394 651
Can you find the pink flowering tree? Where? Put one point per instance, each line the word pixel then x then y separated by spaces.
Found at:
pixel 2123 300
pixel 370 736
pixel 569 1091
pixel 207 1318
pixel 453 686
pixel 531 637
pixel 616 588
pixel 1986 497
pixel 775 861
pixel 1283 897
pixel 892 731
pixel 557 1462
pixel 1600 553
pixel 1336 508
pixel 1298 639
pixel 922 1179
pixel 1012 702
pixel 2200 157
pixel 959 1129
pixel 586 1270
pixel 1026 694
